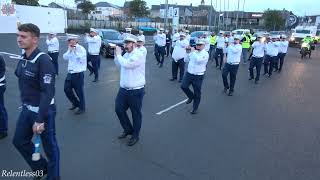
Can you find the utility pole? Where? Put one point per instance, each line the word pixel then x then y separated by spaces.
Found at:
pixel 243 12
pixel 210 16
pixel 219 16
pixel 238 14
pixel 166 15
pixel 227 16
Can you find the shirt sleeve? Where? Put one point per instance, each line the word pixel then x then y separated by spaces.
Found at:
pixel 2 67
pixel 67 55
pixel 49 42
pixel 81 54
pixel 92 39
pixel 47 87
pixel 132 62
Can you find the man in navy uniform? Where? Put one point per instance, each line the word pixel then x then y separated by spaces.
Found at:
pixel 36 78
pixel 94 44
pixel 3 111
pixel 53 49
pixel 178 54
pixel 160 40
pixel 231 67
pixel 131 92
pixel 198 59
pixel 77 65
pixel 259 48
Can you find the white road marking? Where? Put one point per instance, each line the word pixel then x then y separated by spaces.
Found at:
pixel 171 107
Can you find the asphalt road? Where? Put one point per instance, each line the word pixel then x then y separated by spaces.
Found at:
pixel 269 131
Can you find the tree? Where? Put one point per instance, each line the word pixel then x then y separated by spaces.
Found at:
pixel 27 2
pixel 138 8
pixel 273 20
pixel 86 7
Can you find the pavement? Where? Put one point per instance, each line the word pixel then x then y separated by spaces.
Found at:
pixel 269 131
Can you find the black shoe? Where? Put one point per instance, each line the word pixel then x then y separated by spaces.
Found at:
pixel 173 79
pixel 180 80
pixel 79 112
pixel 269 76
pixel 189 101
pixel 250 79
pixel 124 135
pixel 91 73
pixel 225 90
pixel 161 65
pixel 3 135
pixel 279 71
pixel 217 67
pixel 256 82
pixel 95 80
pixel 265 74
pixel 275 70
pixel 193 112
pixel 133 141
pixel 73 108
pixel 230 93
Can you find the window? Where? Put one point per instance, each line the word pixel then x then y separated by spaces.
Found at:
pixel 302 31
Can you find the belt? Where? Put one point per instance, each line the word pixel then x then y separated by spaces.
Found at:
pixel 197 74
pixel 52 52
pixel 233 63
pixel 36 108
pixel 130 89
pixel 73 72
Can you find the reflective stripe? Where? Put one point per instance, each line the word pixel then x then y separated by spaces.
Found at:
pixel 36 58
pixel 2 84
pixel 136 88
pixel 3 78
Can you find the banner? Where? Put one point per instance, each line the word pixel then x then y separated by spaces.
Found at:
pixel 7 8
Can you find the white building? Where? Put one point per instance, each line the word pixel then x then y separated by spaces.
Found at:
pixel 104 10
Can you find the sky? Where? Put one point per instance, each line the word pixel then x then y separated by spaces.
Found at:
pixel 298 7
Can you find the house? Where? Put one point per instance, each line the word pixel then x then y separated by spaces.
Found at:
pixel 104 10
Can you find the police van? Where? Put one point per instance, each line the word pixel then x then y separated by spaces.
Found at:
pixel 300 32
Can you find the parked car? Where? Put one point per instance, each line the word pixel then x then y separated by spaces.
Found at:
pixel 194 36
pixel 147 29
pixel 110 38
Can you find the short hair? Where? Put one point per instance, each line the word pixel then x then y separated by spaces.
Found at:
pixel 29 27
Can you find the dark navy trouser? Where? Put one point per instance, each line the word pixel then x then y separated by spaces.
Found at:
pixel 73 86
pixel 130 99
pixel 54 57
pixel 196 82
pixel 95 61
pixel 232 70
pixel 180 64
pixel 269 64
pixel 23 136
pixel 3 111
pixel 255 62
pixel 219 52
pixel 160 51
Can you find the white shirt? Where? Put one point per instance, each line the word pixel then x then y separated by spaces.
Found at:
pixel 77 59
pixel 94 44
pixel 234 53
pixel 207 45
pixel 132 69
pixel 53 44
pixel 143 50
pixel 197 62
pixel 179 51
pixel 283 48
pixel 175 38
pixel 231 39
pixel 272 48
pixel 188 37
pixel 221 42
pixel 142 37
pixel 160 39
pixel 258 49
